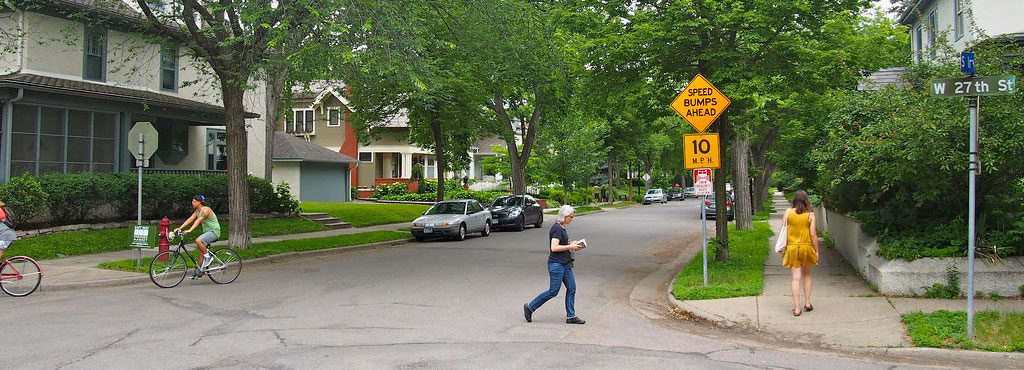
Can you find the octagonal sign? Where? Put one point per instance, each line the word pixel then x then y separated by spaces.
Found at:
pixel 149 134
pixel 700 103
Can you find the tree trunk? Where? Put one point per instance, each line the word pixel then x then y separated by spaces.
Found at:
pixel 518 175
pixel 239 235
pixel 629 179
pixel 435 128
pixel 759 159
pixel 741 184
pixel 648 163
pixel 274 89
pixel 610 197
pixel 762 184
pixel 721 216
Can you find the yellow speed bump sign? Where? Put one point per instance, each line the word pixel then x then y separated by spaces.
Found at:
pixel 700 103
pixel 701 151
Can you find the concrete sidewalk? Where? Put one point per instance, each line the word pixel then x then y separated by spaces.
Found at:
pixel 81 271
pixel 847 313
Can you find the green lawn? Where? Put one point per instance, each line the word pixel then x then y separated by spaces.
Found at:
pixel 270 248
pixel 580 209
pixel 993 331
pixel 368 214
pixel 741 276
pixel 765 214
pixel 76 243
pixel 619 205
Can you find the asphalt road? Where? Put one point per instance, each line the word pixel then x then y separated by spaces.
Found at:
pixel 434 305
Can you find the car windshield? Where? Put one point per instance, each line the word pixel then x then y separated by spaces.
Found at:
pixel 654 191
pixel 507 202
pixel 453 208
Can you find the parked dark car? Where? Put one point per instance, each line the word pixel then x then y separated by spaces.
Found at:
pixel 709 207
pixel 516 211
pixel 676 194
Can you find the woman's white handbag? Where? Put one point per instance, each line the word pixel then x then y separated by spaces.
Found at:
pixel 780 243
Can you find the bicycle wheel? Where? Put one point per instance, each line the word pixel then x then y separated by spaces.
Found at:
pixel 168 269
pixel 20 276
pixel 225 267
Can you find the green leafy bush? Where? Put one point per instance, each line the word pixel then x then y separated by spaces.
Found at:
pixel 895 160
pixel 355 192
pixel 392 189
pixel 484 197
pixel 76 197
pixel 429 186
pixel 24 196
pixel 71 198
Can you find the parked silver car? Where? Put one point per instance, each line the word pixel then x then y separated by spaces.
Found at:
pixel 655 196
pixel 452 219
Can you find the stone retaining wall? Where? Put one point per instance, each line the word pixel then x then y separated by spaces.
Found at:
pixel 900 277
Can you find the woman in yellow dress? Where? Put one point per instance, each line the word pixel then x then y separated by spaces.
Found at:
pixel 801 248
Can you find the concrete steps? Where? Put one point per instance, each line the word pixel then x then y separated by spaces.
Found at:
pixel 326 220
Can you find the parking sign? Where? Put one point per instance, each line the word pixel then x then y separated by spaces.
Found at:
pixel 702 181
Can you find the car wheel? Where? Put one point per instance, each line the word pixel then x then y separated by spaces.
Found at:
pixel 420 239
pixel 487 229
pixel 540 221
pixel 521 223
pixel 462 233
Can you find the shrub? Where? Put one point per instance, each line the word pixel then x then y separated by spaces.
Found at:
pixel 393 189
pixel 484 197
pixel 355 192
pixel 75 197
pixel 24 196
pixel 430 186
pixel 948 291
pixel 71 197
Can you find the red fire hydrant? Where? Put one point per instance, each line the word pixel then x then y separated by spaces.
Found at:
pixel 164 243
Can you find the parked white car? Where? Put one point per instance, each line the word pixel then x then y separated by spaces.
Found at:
pixel 655 196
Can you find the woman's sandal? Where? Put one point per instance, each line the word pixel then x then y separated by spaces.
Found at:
pixel 809 308
pixel 796 312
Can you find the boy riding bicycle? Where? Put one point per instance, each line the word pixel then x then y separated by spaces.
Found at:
pixel 211 231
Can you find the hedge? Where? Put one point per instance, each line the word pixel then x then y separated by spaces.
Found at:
pixel 484 197
pixel 77 197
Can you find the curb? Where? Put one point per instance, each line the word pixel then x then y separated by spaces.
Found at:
pixel 132 280
pixel 986 359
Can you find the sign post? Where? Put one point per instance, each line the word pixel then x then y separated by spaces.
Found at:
pixel 973 88
pixel 148 139
pixel 700 104
pixel 702 187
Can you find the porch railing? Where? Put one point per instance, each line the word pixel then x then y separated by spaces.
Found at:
pixel 150 171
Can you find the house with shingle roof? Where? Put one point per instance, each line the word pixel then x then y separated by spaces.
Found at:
pixel 320 113
pixel 71 89
pixel 315 173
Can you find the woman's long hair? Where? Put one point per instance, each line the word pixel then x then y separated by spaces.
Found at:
pixel 801 203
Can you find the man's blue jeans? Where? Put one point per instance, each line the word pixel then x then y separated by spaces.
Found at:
pixel 561 273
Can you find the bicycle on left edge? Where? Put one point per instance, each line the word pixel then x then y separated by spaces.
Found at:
pixel 19 275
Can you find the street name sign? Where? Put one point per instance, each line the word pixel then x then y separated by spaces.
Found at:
pixel 701 151
pixel 700 103
pixel 702 181
pixel 974 86
pixel 966 62
pixel 149 134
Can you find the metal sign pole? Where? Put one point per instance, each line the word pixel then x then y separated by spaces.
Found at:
pixel 139 163
pixel 972 174
pixel 704 240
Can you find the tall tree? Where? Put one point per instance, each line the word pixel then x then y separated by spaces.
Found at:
pixel 236 39
pixel 423 75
